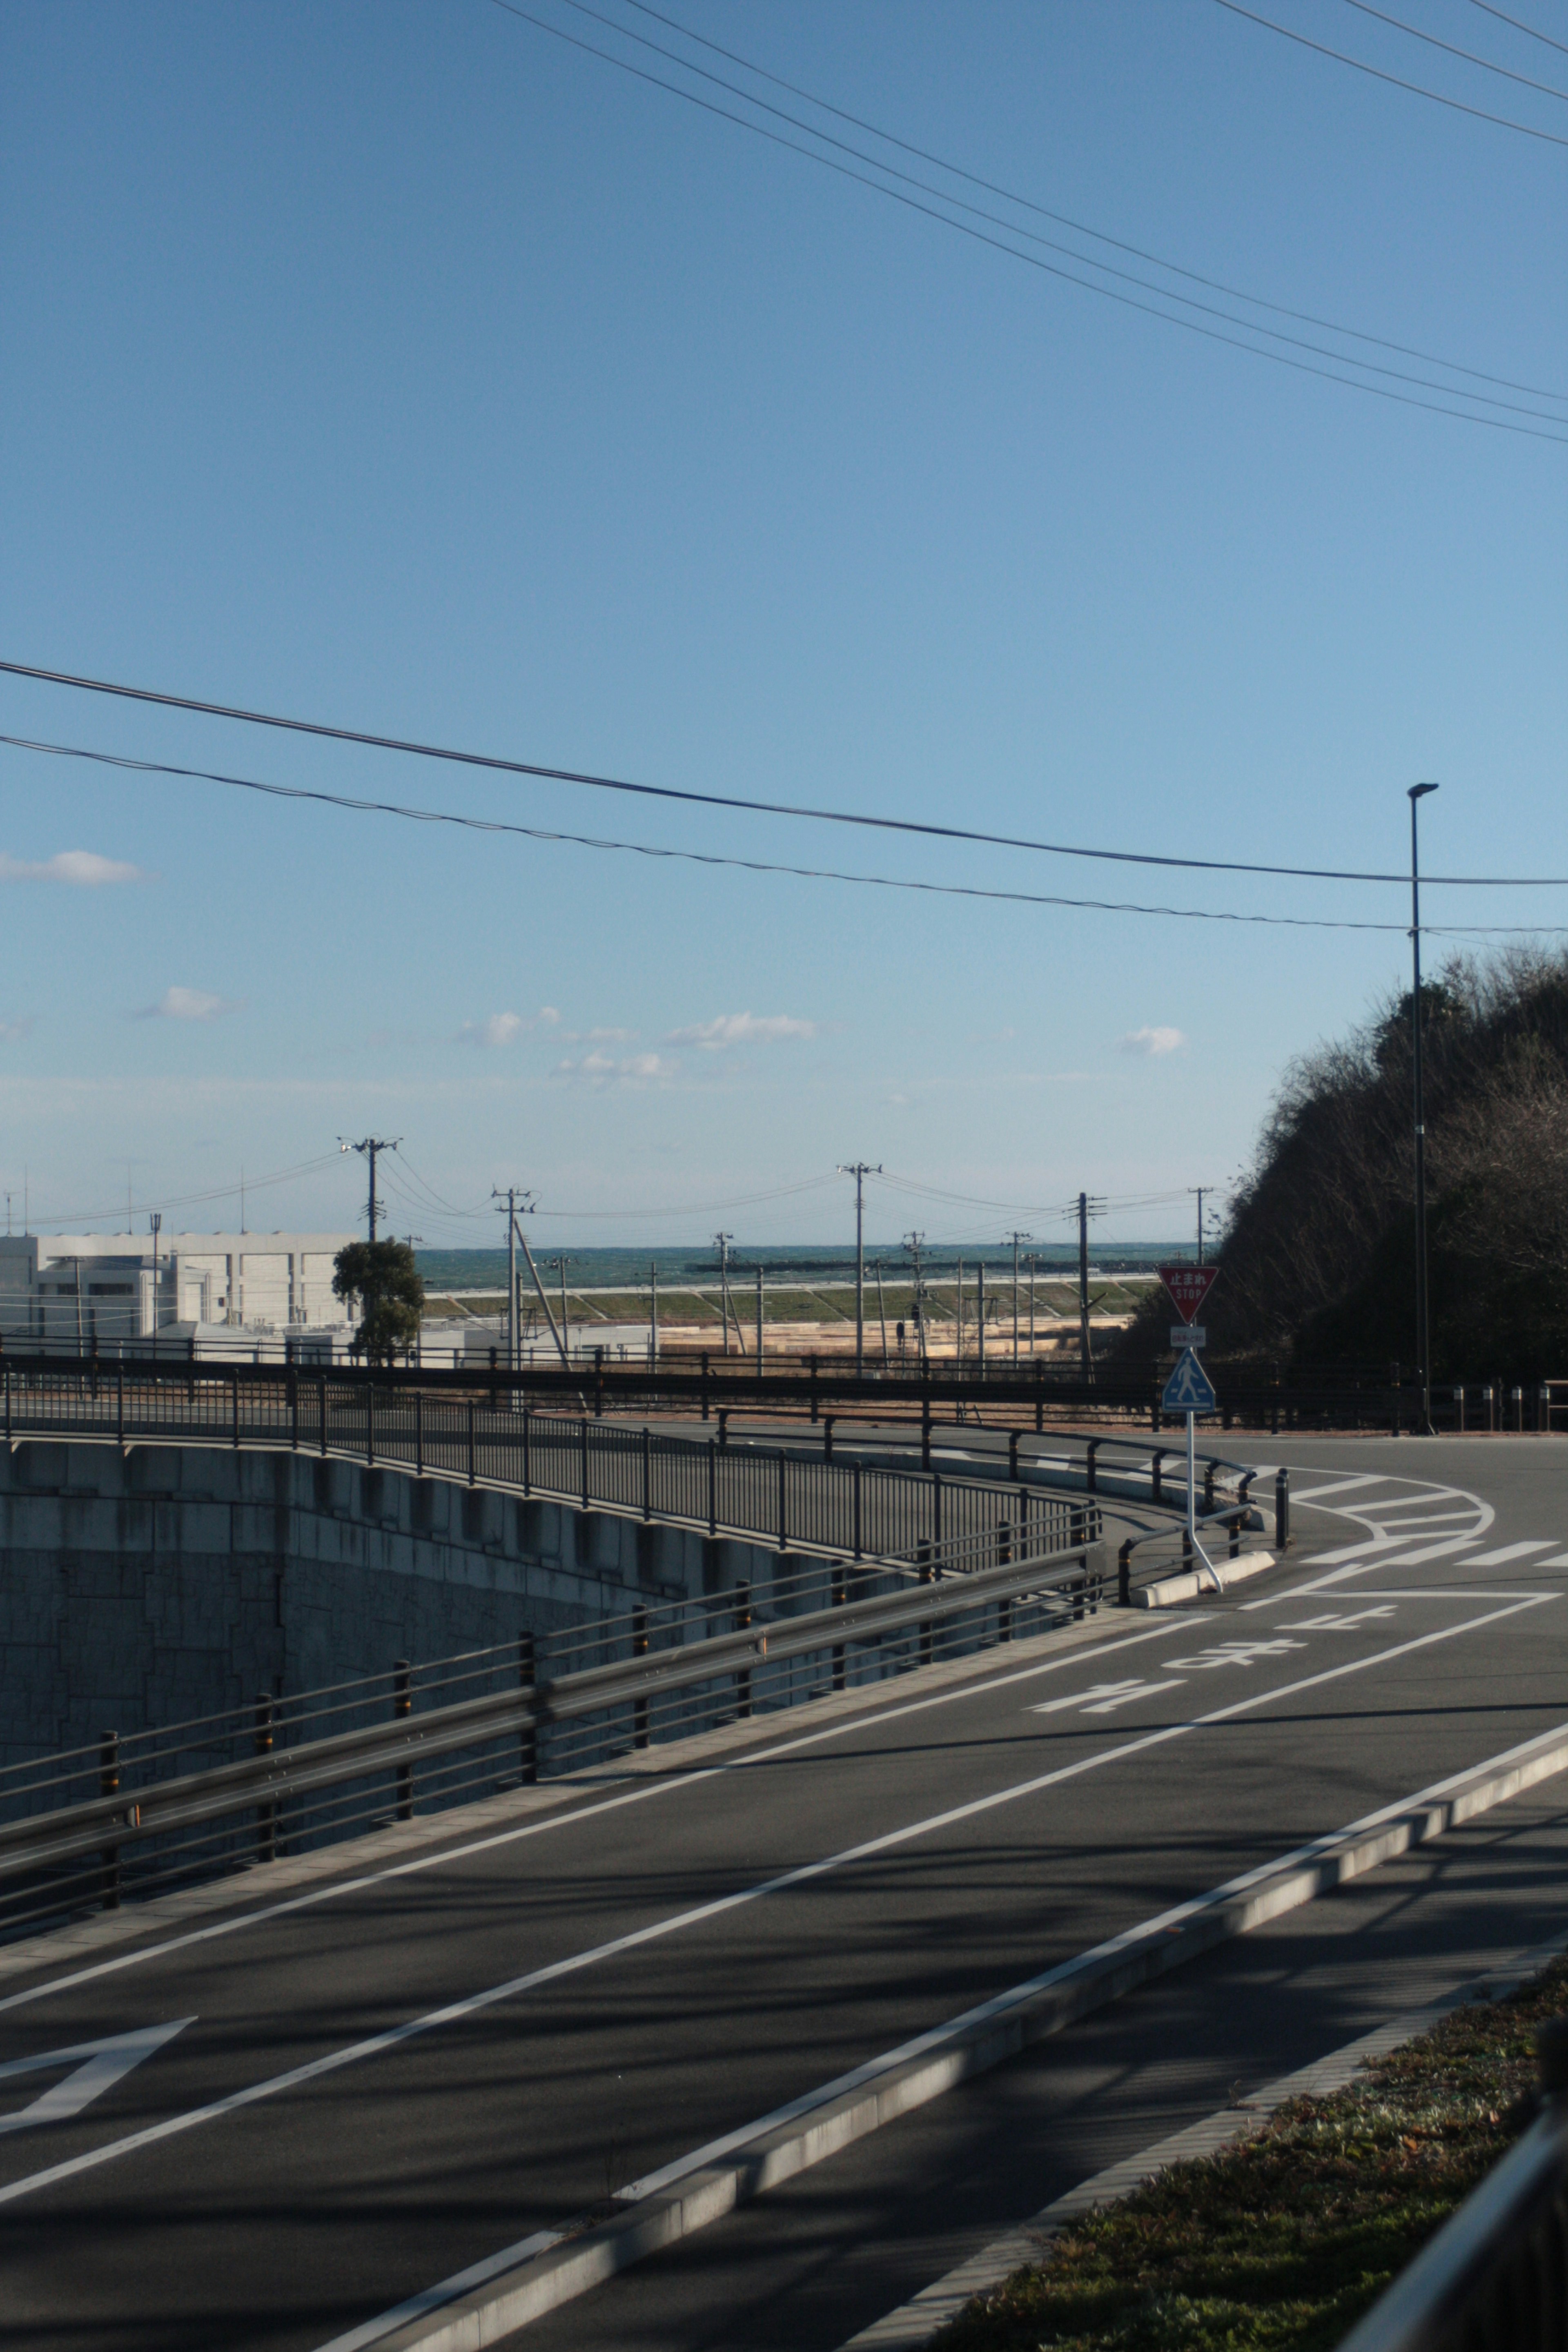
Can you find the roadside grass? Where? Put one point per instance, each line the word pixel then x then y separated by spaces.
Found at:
pixel 1284 2240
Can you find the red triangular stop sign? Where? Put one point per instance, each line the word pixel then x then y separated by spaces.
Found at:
pixel 1189 1285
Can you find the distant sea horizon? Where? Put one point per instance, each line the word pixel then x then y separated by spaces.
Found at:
pixel 604 1268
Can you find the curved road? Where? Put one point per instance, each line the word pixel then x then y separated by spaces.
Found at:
pixel 265 2115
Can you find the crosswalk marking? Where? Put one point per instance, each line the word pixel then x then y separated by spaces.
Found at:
pixel 1506 1551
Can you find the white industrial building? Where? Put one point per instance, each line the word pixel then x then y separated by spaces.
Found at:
pixel 222 1291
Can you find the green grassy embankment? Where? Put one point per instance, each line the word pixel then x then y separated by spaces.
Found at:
pixel 1280 2243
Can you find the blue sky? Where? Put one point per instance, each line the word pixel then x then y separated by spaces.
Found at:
pixel 404 367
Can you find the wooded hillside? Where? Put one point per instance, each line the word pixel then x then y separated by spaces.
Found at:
pixel 1319 1250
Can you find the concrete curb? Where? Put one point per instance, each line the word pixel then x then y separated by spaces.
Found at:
pixel 1192 1584
pixel 461 2315
pixel 914 2323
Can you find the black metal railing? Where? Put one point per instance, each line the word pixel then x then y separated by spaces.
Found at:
pixel 1495 2277
pixel 133 1815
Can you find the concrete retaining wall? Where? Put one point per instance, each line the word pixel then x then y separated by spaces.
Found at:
pixel 171 1582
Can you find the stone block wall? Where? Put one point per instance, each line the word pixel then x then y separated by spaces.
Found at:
pixel 171 1582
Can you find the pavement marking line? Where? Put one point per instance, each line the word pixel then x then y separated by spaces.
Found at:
pixel 1338 1487
pixel 95 2067
pixel 804 1873
pixel 700 2190
pixel 1507 1551
pixel 264 1915
pixel 1558 1559
pixel 1444 1550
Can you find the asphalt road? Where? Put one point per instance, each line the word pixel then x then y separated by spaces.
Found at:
pixel 421 2065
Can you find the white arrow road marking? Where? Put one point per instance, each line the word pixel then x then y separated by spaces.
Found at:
pixel 1337 1625
pixel 96 2067
pixel 675 1923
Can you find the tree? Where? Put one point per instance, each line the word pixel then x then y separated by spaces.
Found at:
pixel 391 1291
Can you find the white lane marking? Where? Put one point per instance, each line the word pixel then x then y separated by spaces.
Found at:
pixel 1234 1654
pixel 1339 1486
pixel 1404 1559
pixel 1506 1551
pixel 1136 1691
pixel 803 1874
pixel 1095 1690
pixel 1558 1559
pixel 1165 1921
pixel 96 2067
pixel 674 1785
pixel 1404 1591
pixel 1331 1625
pixel 1368 1545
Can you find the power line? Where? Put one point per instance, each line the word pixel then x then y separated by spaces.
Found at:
pixel 194 1200
pixel 1012 229
pixel 1469 56
pixel 1034 260
pixel 649 792
pixel 1503 121
pixel 768 865
pixel 1504 18
pixel 1080 228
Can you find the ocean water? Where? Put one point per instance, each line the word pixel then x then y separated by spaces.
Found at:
pixel 607 1269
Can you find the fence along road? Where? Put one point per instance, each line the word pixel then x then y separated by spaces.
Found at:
pixel 780 1496
pixel 424 2054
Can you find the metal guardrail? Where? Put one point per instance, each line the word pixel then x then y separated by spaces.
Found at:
pixel 288 1783
pixel 1495 2277
pixel 776 1495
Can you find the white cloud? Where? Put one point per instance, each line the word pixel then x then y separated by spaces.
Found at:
pixel 185 1004
pixel 611 1036
pixel 741 1029
pixel 504 1028
pixel 598 1070
pixel 84 868
pixel 1149 1043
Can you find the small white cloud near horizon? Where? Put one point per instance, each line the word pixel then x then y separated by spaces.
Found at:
pixel 84 870
pixel 503 1028
pixel 1149 1043
pixel 185 1004
pixel 603 1069
pixel 741 1029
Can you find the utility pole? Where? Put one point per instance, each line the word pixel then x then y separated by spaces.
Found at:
pixel 515 1201
pixel 958 1317
pixel 1086 1209
pixel 1016 1239
pixel 915 1243
pixel 561 1265
pixel 759 1319
pixel 882 1313
pixel 980 1316
pixel 155 1221
pixel 860 1169
pixel 368 1147
pixel 653 1318
pixel 1423 1323
pixel 721 1244
pixel 1203 1193
pixel 1032 1263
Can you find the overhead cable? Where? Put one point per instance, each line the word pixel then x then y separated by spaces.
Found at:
pixel 1504 18
pixel 1548 88
pixel 1129 277
pixel 1080 228
pixel 1036 261
pixel 662 793
pixel 745 865
pixel 1503 121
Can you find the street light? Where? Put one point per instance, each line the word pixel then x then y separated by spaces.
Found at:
pixel 1422 1331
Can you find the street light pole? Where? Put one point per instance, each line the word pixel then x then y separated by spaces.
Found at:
pixel 1423 1321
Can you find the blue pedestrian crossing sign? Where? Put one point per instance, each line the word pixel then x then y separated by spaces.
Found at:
pixel 1189 1388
